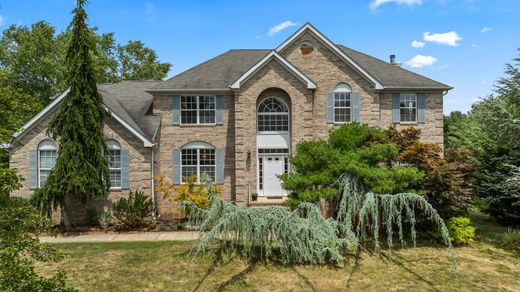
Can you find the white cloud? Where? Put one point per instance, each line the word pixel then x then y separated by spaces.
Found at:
pixel 279 27
pixel 149 8
pixel 418 44
pixel 474 46
pixel 1 20
pixel 448 38
pixel 486 29
pixel 420 61
pixel 376 3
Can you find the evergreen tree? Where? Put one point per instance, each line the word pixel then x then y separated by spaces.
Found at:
pixel 81 169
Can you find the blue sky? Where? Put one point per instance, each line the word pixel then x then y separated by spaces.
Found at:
pixel 464 43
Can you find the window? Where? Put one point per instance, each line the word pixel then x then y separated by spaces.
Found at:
pixel 47 155
pixel 273 115
pixel 196 159
pixel 198 109
pixel 408 107
pixel 114 163
pixel 342 103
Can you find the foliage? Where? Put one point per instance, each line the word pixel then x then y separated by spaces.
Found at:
pixel 512 238
pixel 81 169
pixel 461 230
pixel 106 217
pixel 20 224
pixel 33 58
pixel 447 183
pixel 190 191
pixel 361 150
pixel 492 129
pixel 133 212
pixel 303 235
pixel 91 216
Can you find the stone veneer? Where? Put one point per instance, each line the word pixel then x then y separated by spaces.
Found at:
pixel 139 165
pixel 237 135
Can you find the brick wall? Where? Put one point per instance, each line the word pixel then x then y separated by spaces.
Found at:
pixel 139 165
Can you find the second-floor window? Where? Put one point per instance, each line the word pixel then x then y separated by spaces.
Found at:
pixel 342 105
pixel 408 107
pixel 198 109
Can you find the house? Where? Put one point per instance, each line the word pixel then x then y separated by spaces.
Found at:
pixel 238 116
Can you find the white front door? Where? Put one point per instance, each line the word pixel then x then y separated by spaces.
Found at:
pixel 272 167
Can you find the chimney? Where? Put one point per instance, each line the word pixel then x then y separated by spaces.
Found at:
pixel 392 61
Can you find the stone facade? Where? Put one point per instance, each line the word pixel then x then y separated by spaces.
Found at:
pixel 238 133
pixel 139 165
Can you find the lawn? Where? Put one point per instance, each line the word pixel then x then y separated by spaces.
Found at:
pixel 158 266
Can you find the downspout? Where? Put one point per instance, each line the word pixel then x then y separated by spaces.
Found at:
pixel 154 208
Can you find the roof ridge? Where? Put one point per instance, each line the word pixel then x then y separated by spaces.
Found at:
pixel 386 63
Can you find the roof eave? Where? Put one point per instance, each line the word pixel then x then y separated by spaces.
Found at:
pixel 184 90
pixel 418 88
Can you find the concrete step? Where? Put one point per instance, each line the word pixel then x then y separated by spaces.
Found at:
pixel 271 201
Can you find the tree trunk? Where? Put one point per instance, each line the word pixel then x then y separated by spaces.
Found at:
pixel 65 219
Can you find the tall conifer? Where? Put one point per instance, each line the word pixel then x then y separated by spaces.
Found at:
pixel 81 169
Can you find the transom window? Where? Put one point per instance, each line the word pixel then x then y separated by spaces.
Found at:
pixel 197 159
pixel 273 115
pixel 114 160
pixel 408 107
pixel 47 155
pixel 342 103
pixel 198 109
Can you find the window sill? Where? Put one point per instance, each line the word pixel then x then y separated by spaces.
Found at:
pixel 115 189
pixel 197 125
pixel 408 123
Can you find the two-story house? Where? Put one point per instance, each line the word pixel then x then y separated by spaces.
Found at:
pixel 238 116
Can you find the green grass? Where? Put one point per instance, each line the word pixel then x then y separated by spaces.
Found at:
pixel 157 266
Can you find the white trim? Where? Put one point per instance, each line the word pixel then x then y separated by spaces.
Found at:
pixel 187 90
pixel 146 142
pixel 276 56
pixel 55 102
pixel 25 128
pixel 327 42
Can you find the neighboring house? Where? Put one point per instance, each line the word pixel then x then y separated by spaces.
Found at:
pixel 238 116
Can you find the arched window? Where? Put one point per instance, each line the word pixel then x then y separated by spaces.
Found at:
pixel 197 158
pixel 114 160
pixel 273 115
pixel 342 103
pixel 47 155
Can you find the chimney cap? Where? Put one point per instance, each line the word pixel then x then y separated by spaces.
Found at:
pixel 392 59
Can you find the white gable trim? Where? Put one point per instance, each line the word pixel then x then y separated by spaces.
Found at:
pixel 53 105
pixel 330 44
pixel 147 143
pixel 276 56
pixel 38 117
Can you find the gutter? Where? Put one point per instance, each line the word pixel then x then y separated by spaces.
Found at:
pixel 184 90
pixel 154 201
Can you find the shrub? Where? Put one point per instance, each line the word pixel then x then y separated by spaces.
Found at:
pixel 461 230
pixel 512 238
pixel 91 216
pixel 190 191
pixel 133 212
pixel 358 149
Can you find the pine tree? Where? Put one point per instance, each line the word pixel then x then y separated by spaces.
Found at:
pixel 81 169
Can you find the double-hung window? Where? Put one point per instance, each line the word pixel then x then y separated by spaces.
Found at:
pixel 198 109
pixel 342 103
pixel 273 115
pixel 47 155
pixel 114 160
pixel 408 107
pixel 197 161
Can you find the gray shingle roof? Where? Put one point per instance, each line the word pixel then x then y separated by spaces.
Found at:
pixel 390 75
pixel 223 70
pixel 216 73
pixel 130 101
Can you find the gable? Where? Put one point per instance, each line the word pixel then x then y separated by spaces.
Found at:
pixel 111 102
pixel 308 28
pixel 274 56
